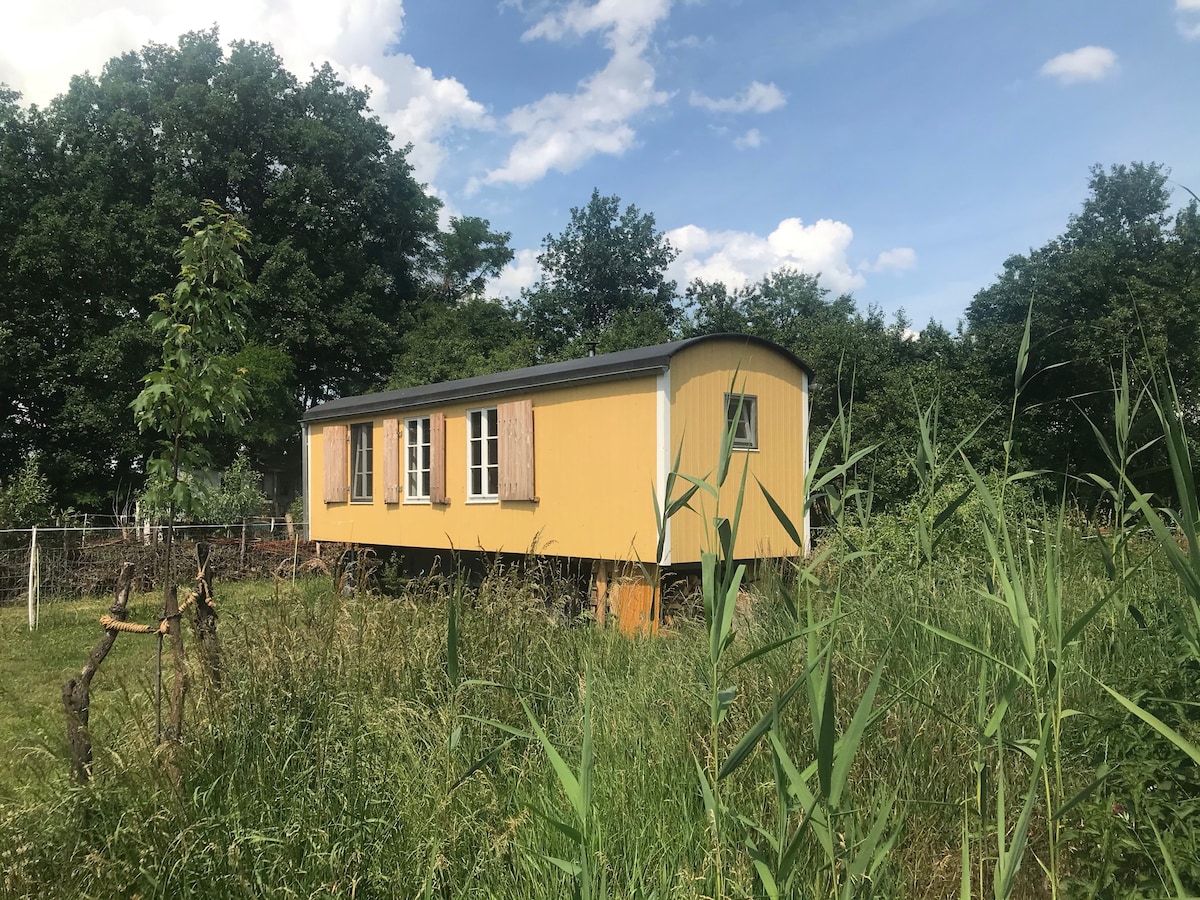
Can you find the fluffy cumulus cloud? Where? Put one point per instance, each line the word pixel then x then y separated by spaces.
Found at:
pixel 758 98
pixel 750 140
pixel 1188 20
pixel 560 131
pixel 1085 64
pixel 43 45
pixel 740 257
pixel 522 272
pixel 897 259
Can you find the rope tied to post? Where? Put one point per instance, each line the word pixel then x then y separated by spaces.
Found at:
pixel 110 624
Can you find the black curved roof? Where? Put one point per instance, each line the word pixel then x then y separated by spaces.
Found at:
pixel 622 364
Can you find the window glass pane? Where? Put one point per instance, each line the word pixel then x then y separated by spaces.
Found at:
pixel 476 482
pixel 360 443
pixel 493 480
pixel 491 418
pixel 476 451
pixel 424 484
pixel 425 456
pixel 493 451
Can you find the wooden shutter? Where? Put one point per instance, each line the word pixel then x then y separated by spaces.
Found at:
pixel 337 468
pixel 391 460
pixel 437 458
pixel 515 424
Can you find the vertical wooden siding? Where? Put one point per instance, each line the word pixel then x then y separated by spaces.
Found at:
pixel 594 462
pixel 337 464
pixel 515 426
pixel 391 460
pixel 700 377
pixel 437 458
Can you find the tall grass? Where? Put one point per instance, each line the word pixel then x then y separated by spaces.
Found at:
pixel 968 697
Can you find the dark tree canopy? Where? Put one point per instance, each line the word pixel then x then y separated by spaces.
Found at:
pixel 1120 280
pixel 95 190
pixel 603 280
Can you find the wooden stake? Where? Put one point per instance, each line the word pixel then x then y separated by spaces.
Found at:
pixel 75 693
pixel 602 576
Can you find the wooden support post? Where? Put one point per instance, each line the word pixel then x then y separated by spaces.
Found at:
pixel 33 565
pixel 75 693
pixel 635 599
pixel 602 575
pixel 206 615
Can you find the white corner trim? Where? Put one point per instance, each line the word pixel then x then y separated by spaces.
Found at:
pixel 663 421
pixel 807 405
pixel 305 478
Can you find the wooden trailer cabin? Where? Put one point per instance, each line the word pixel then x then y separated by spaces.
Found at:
pixel 566 456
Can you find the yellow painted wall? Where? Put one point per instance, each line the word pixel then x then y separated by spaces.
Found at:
pixel 700 377
pixel 594 465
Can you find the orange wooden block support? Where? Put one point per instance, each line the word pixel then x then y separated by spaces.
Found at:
pixel 633 600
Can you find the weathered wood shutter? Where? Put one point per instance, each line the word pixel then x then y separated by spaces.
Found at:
pixel 515 425
pixel 437 458
pixel 337 467
pixel 391 460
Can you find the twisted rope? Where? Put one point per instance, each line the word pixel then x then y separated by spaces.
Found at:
pixel 110 624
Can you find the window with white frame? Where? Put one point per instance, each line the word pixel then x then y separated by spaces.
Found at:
pixel 361 469
pixel 417 459
pixel 483 455
pixel 741 413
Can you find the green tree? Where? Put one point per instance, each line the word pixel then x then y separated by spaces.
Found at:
pixel 603 280
pixel 469 253
pixel 475 337
pixel 94 189
pixel 1120 280
pixel 195 391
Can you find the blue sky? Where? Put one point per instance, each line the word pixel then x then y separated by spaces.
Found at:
pixel 903 149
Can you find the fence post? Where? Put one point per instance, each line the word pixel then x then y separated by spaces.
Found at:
pixel 32 578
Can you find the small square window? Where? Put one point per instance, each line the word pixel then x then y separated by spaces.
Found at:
pixel 361 473
pixel 741 414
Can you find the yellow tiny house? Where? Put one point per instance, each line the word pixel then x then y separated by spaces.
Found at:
pixel 565 456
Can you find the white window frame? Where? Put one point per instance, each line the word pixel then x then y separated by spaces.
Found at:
pixel 422 472
pixel 362 476
pixel 487 441
pixel 749 416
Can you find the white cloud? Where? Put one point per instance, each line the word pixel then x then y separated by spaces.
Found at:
pixel 1084 64
pixel 43 45
pixel 522 272
pixel 740 257
pixel 692 42
pixel 896 259
pixel 751 140
pixel 561 131
pixel 1188 22
pixel 759 98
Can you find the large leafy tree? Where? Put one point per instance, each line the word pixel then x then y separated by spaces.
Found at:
pixel 1121 280
pixel 603 280
pixel 100 182
pixel 468 255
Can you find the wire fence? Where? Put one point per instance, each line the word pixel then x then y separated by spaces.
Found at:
pixel 39 565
